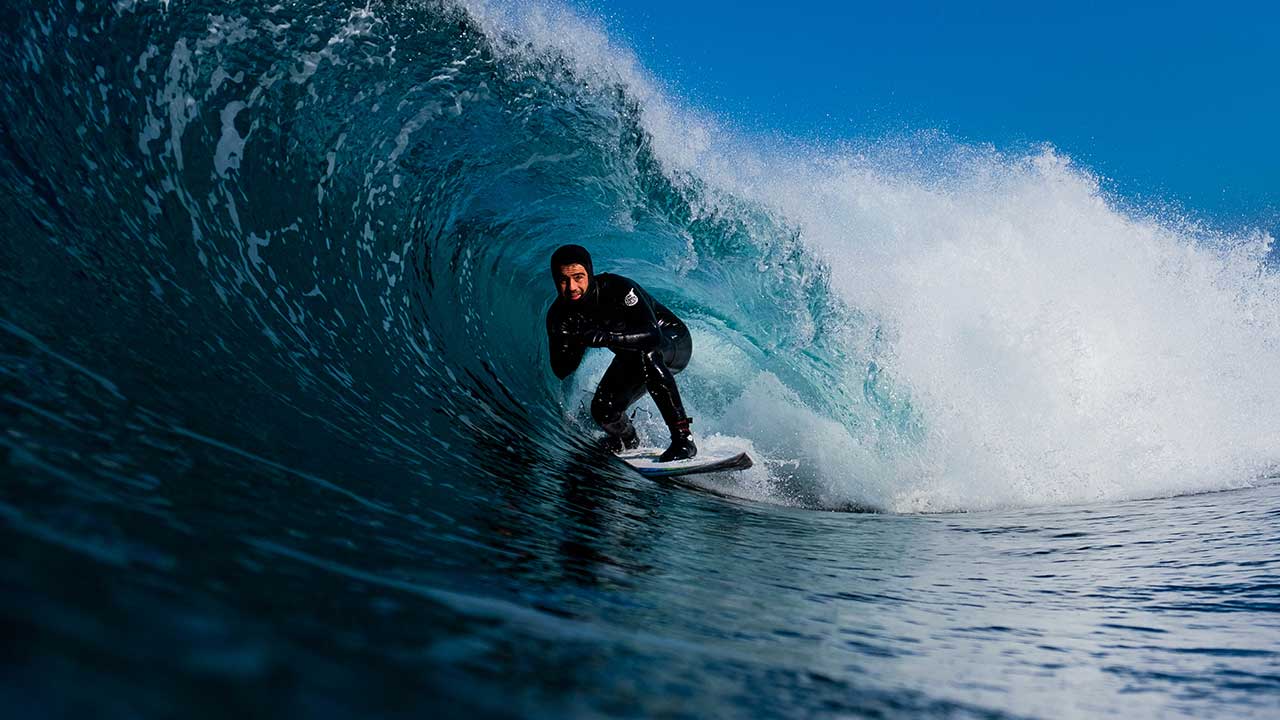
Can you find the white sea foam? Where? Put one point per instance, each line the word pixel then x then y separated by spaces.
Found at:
pixel 1054 347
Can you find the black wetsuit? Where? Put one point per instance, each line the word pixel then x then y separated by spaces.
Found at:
pixel 650 344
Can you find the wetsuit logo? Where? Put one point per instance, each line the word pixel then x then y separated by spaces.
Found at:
pixel 631 298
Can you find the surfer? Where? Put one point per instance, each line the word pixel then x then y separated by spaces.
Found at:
pixel 649 343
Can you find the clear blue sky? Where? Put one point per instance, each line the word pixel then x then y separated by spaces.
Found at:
pixel 1177 100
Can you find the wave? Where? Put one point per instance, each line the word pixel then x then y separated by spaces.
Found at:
pixel 325 225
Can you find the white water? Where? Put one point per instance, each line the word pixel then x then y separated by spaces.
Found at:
pixel 1056 348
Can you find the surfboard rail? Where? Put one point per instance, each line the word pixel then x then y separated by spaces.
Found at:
pixel 646 463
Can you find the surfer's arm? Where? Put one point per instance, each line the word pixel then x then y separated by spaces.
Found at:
pixel 632 340
pixel 566 349
pixel 565 359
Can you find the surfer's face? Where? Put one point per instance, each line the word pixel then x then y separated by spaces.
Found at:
pixel 571 281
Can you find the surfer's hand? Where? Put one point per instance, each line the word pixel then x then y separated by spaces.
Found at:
pixel 568 329
pixel 596 338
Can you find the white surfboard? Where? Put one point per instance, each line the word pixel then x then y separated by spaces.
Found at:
pixel 645 461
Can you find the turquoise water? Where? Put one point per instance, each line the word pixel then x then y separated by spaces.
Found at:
pixel 280 436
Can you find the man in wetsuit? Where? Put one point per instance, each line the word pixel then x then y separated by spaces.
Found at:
pixel 649 343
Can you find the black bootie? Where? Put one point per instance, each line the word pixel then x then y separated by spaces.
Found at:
pixel 682 447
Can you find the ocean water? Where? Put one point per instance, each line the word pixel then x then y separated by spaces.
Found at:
pixel 280 437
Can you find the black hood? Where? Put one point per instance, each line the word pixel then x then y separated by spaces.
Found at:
pixel 572 255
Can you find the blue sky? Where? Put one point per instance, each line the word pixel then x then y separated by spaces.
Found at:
pixel 1174 101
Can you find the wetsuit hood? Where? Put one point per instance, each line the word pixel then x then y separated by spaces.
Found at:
pixel 572 255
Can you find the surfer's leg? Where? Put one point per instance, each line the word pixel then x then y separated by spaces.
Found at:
pixel 661 384
pixel 622 384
